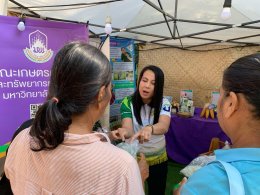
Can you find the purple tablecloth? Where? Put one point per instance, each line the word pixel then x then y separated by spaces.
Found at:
pixel 189 137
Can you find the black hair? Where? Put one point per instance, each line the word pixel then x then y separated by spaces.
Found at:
pixel 156 102
pixel 78 72
pixel 243 76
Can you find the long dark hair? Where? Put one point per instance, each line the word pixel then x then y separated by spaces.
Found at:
pixel 243 76
pixel 78 72
pixel 156 102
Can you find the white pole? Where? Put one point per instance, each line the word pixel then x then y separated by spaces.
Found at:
pixel 3 7
pixel 105 119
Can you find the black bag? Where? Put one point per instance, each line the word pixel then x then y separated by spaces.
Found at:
pixel 5 187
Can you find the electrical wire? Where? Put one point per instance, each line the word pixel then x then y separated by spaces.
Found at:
pixel 62 9
pixel 76 6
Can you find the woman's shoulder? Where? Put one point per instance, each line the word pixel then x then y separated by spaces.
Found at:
pixel 128 98
pixel 212 175
pixel 165 101
pixel 210 169
pixel 23 136
pixel 127 101
pixel 166 107
pixel 118 153
pixel 19 148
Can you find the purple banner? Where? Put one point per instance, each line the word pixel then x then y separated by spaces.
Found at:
pixel 26 58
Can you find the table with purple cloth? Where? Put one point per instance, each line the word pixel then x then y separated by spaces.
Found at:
pixel 189 137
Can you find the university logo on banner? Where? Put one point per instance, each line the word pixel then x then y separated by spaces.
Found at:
pixel 38 51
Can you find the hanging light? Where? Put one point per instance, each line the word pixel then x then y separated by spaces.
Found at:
pixel 226 12
pixel 21 24
pixel 108 27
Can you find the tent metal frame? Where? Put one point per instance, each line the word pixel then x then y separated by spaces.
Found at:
pixel 168 20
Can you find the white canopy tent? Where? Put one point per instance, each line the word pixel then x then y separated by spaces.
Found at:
pixel 177 23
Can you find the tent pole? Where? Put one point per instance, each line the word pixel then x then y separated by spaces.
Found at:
pixel 166 19
pixel 172 46
pixel 149 24
pixel 183 20
pixel 141 41
pixel 25 8
pixel 158 9
pixel 204 32
pixel 245 37
pixel 180 20
pixel 202 22
pixel 206 39
pixel 249 27
pixel 147 34
pixel 179 36
pixel 202 44
pixel 130 31
pixel 175 16
pixel 193 34
pixel 246 43
pixel 252 22
pixel 35 15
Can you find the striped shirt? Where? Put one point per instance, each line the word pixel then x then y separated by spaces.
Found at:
pixel 82 164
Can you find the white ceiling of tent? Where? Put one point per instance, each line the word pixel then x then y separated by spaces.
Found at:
pixel 198 22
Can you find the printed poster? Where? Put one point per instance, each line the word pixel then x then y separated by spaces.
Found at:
pixel 122 57
pixel 25 62
pixel 214 98
pixel 188 93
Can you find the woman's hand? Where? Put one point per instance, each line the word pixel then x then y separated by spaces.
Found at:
pixel 120 133
pixel 143 135
pixel 177 191
pixel 144 167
